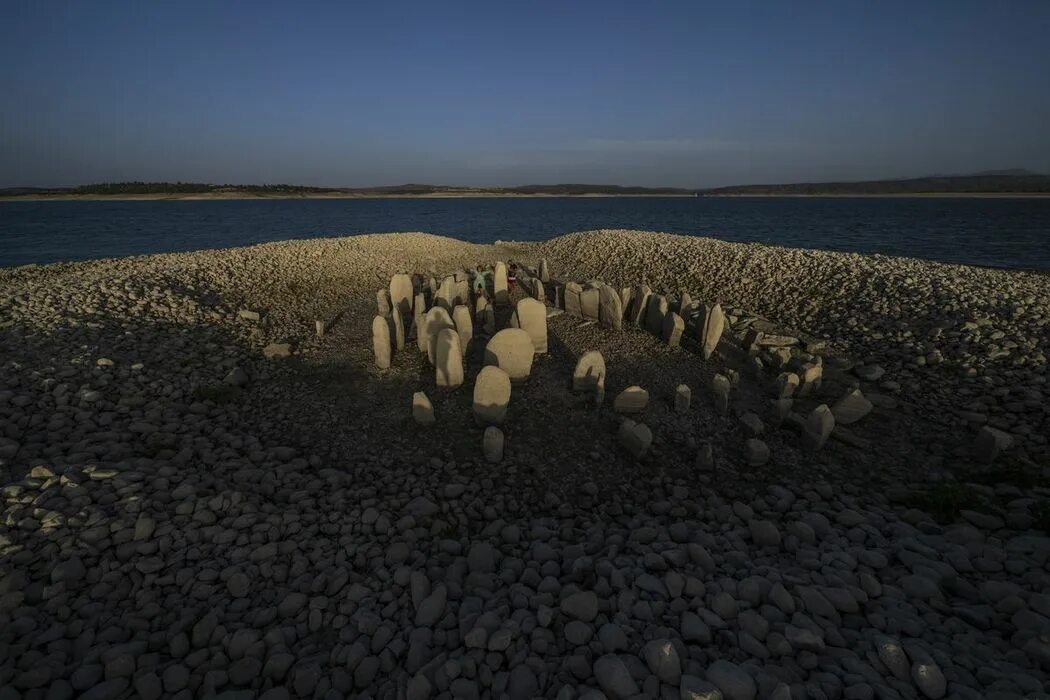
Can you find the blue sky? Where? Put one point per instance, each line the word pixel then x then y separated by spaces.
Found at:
pixel 502 93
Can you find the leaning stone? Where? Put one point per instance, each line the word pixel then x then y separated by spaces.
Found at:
pixel 383 302
pixel 710 324
pixel 635 437
pixel 720 387
pixel 673 328
pixel 532 317
pixel 817 428
pixel 633 399
pixel 573 291
pixel 589 373
pixel 401 293
pixel 436 320
pixel 610 308
pixel 639 304
pixel 511 350
pixel 275 350
pixel 464 326
pixel 545 273
pixel 499 284
pixel 655 313
pixel 851 408
pixel 491 396
pixel 422 409
pixel 990 442
pixel 682 398
pixel 756 452
pixel 419 311
pixel 381 344
pixel 590 303
pixel 492 444
pixel 398 326
pixel 448 358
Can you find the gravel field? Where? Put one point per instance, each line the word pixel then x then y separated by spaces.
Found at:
pixel 201 497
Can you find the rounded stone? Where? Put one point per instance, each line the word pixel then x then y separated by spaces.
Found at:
pixel 448 358
pixel 491 396
pixel 512 351
pixel 436 320
pixel 532 318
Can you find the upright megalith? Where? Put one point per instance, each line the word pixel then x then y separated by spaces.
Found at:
pixel 636 313
pixel 448 358
pixel 491 396
pixel 492 444
pixel 381 343
pixel 572 299
pixel 590 303
pixel 709 325
pixel 512 351
pixel 422 409
pixel 485 315
pixel 446 294
pixel 655 314
pixel 401 293
pixel 720 386
pixel 610 308
pixel 673 328
pixel 817 428
pixel 532 318
pixel 383 302
pixel 683 396
pixel 464 326
pixel 499 284
pixel 685 305
pixel 436 320
pixel 589 372
pixel 545 273
pixel 397 324
pixel 419 311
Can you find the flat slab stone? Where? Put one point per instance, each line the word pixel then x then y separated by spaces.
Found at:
pixel 512 351
pixel 491 396
pixel 633 399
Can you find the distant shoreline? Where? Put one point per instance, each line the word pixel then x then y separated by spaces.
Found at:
pixel 238 196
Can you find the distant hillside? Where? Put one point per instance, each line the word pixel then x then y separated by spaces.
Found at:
pixel 993 182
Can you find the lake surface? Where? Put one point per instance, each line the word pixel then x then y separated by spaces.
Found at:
pixel 994 232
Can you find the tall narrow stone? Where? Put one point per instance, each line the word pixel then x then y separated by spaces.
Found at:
pixel 572 299
pixel 381 345
pixel 673 328
pixel 817 428
pixel 639 304
pixel 383 302
pixel 398 326
pixel 464 326
pixel 710 325
pixel 491 396
pixel 511 350
pixel 720 387
pixel 655 314
pixel 625 299
pixel 545 273
pixel 532 318
pixel 610 308
pixel 448 358
pixel 590 303
pixel 419 310
pixel 685 306
pixel 499 284
pixel 683 396
pixel 485 315
pixel 401 293
pixel 446 294
pixel 436 320
pixel 422 409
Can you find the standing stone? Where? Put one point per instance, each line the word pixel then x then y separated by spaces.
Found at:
pixel 462 290
pixel 422 409
pixel 401 293
pixel 683 396
pixel 572 299
pixel 419 310
pixel 491 396
pixel 625 299
pixel 655 313
pixel 673 328
pixel 381 345
pixel 685 306
pixel 532 317
pixel 633 399
pixel 817 428
pixel 448 358
pixel 499 284
pixel 710 324
pixel 492 444
pixel 383 302
pixel 511 350
pixel 851 408
pixel 639 305
pixel 590 370
pixel 485 315
pixel 538 290
pixel 610 308
pixel 635 437
pixel 320 327
pixel 398 326
pixel 720 386
pixel 545 273
pixel 590 303
pixel 464 326
pixel 446 294
pixel 436 320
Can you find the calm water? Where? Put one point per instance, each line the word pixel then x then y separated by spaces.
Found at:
pixel 994 232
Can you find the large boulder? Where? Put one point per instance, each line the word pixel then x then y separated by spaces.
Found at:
pixel 532 318
pixel 448 358
pixel 491 396
pixel 512 351
pixel 381 342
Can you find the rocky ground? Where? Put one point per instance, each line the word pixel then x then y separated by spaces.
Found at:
pixel 186 516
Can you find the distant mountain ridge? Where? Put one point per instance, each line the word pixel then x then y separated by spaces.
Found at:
pixel 1016 181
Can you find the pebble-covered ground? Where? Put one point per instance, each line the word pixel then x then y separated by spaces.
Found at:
pixel 186 512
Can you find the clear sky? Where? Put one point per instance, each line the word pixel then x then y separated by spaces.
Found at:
pixel 683 93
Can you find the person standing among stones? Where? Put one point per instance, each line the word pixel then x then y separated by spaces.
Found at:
pixel 478 283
